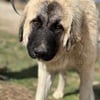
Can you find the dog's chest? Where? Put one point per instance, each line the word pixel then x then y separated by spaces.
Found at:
pixel 66 60
pixel 62 64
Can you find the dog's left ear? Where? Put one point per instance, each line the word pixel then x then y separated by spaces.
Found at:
pixel 21 30
pixel 73 34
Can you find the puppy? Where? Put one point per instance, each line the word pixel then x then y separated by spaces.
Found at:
pixel 61 34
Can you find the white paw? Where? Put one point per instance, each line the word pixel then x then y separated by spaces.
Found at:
pixel 58 94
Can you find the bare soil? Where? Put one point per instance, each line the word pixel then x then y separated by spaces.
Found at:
pixel 9 91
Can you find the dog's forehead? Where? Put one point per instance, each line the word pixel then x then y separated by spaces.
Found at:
pixel 52 10
pixel 55 11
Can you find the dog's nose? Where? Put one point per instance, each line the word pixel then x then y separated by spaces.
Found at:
pixel 39 51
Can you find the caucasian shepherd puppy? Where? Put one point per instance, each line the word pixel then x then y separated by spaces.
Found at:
pixel 61 34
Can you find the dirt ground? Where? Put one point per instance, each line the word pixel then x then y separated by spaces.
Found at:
pixel 9 91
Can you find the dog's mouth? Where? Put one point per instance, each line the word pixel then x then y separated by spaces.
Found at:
pixel 45 57
pixel 41 55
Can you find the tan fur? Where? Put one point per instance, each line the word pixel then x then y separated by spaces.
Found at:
pixel 82 55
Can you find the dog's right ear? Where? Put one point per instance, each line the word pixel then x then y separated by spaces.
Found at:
pixel 21 30
pixel 73 34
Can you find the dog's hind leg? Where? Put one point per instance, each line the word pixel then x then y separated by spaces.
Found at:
pixel 59 93
pixel 44 82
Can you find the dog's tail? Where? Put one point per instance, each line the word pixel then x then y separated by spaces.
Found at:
pixel 13 5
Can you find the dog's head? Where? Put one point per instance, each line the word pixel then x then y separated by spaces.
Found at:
pixel 46 26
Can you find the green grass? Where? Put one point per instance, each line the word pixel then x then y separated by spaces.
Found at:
pixel 15 58
pixel 23 70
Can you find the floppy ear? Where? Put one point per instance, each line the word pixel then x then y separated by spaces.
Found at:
pixel 73 34
pixel 21 30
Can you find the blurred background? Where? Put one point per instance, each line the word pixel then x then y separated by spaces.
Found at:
pixel 18 72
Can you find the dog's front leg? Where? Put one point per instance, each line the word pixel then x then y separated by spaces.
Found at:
pixel 59 93
pixel 86 86
pixel 44 82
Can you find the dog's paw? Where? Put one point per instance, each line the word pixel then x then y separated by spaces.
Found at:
pixel 58 94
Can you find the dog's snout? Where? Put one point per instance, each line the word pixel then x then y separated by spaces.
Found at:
pixel 40 51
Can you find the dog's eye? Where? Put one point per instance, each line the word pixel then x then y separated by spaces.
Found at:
pixel 36 22
pixel 57 28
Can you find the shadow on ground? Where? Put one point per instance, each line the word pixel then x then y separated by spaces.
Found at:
pixel 72 93
pixel 96 91
pixel 30 72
